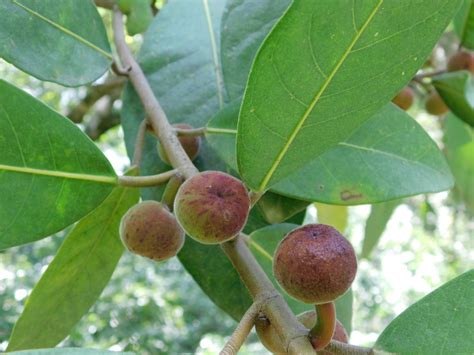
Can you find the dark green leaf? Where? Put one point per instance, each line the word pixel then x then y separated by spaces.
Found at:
pixel 277 208
pixel 62 41
pixel 440 323
pixel 51 174
pixel 69 351
pixel 263 244
pixel 245 23
pixel 459 149
pixel 464 24
pixel 76 277
pixel 390 156
pixel 375 225
pixel 457 91
pixel 325 69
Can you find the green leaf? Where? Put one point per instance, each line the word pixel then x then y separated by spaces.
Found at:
pixel 440 323
pixel 368 167
pixel 344 310
pixel 245 24
pixel 51 174
pixel 457 91
pixel 375 225
pixel 459 149
pixel 76 277
pixel 262 244
pixel 336 216
pixel 322 72
pixel 62 41
pixel 277 208
pixel 464 24
pixel 70 351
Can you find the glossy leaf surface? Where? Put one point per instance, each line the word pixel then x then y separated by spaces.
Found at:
pixel 457 91
pixel 76 277
pixel 464 23
pixel 318 77
pixel 439 323
pixel 390 156
pixel 62 41
pixel 45 161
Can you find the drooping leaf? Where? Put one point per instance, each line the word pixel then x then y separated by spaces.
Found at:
pixel 62 41
pixel 277 208
pixel 263 243
pixel 459 150
pixel 69 351
pixel 322 72
pixel 76 277
pixel 464 24
pixel 439 323
pixel 457 91
pixel 51 174
pixel 336 216
pixel 375 225
pixel 245 23
pixel 390 156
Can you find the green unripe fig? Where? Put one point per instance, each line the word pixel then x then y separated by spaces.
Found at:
pixel 462 60
pixel 435 105
pixel 405 98
pixel 212 207
pixel 150 230
pixel 191 145
pixel 140 17
pixel 271 340
pixel 125 6
pixel 315 264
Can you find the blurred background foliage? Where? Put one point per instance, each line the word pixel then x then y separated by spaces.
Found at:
pixel 157 308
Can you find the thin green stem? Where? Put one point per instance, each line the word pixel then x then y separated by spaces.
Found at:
pixel 146 181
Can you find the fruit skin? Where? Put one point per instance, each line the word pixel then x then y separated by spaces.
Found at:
pixel 191 145
pixel 212 207
pixel 315 264
pixel 405 98
pixel 435 105
pixel 271 340
pixel 463 60
pixel 150 230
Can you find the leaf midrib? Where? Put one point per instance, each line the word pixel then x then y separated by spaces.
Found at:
pixel 60 174
pixel 65 30
pixel 316 98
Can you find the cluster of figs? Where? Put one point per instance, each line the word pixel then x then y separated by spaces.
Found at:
pixel 313 263
pixel 434 104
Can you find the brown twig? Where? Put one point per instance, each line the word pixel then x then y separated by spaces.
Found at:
pixel 430 74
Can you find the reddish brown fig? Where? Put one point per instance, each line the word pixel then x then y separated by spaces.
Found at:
pixel 273 343
pixel 212 207
pixel 315 264
pixel 150 230
pixel 435 105
pixel 191 145
pixel 405 98
pixel 463 60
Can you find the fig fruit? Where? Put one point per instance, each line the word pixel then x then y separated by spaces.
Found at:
pixel 405 98
pixel 271 340
pixel 435 105
pixel 150 230
pixel 462 60
pixel 212 207
pixel 191 145
pixel 315 264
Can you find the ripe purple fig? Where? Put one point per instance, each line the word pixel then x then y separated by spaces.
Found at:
pixel 212 207
pixel 191 145
pixel 462 60
pixel 405 98
pixel 150 230
pixel 270 339
pixel 315 264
